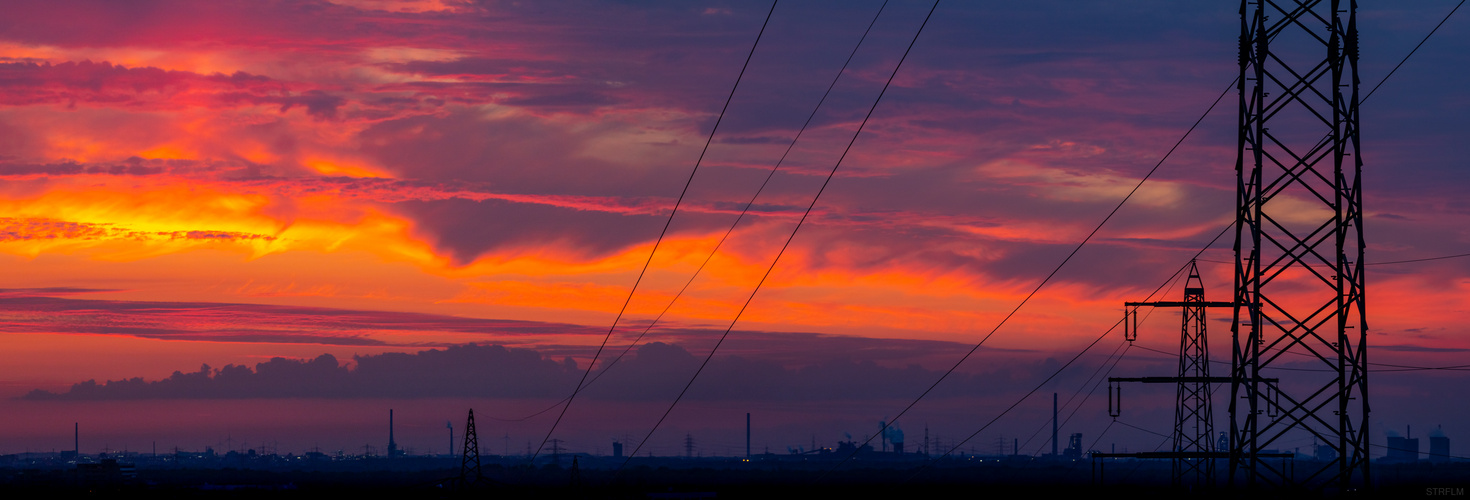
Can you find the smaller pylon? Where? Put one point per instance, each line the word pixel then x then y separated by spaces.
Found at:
pixel 1194 454
pixel 469 468
pixel 470 476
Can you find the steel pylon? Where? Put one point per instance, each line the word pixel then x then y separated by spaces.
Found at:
pixel 1194 425
pixel 1299 283
pixel 469 468
pixel 1194 453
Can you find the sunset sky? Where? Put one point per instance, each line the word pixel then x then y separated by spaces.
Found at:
pixel 226 182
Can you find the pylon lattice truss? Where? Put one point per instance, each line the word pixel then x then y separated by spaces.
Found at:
pixel 1299 284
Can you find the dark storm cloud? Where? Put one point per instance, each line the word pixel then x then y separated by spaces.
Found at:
pixel 456 371
pixel 797 349
pixel 652 373
pixel 60 310
pixel 466 229
pixel 660 370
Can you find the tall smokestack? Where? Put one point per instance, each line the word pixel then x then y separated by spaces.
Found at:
pixel 392 446
pixel 747 434
pixel 76 438
pixel 1053 424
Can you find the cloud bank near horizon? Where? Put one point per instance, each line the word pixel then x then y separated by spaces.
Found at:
pixel 653 372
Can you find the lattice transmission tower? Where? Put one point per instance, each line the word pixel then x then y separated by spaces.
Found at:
pixel 469 465
pixel 1194 453
pixel 1299 285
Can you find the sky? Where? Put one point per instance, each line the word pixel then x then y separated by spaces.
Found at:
pixel 340 207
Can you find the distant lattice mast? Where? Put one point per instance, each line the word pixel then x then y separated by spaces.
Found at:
pixel 469 469
pixel 1194 453
pixel 1194 427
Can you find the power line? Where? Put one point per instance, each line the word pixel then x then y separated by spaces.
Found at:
pixel 661 234
pixel 1140 463
pixel 1065 262
pixel 1100 435
pixel 1095 385
pixel 1013 405
pixel 1125 199
pixel 1115 209
pixel 784 246
pixel 1394 367
pixel 1425 259
pixel 1411 52
pixel 1125 345
pixel 1043 383
pixel 743 212
pixel 1063 367
pixel 1405 368
pixel 746 209
pixel 1172 281
pixel 1122 346
pixel 1080 245
pixel 1360 102
pixel 1429 454
pixel 1126 424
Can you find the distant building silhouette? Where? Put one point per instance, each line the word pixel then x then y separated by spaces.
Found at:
pixel 845 448
pixel 1439 446
pixel 1325 453
pixel 1403 448
pixel 1074 446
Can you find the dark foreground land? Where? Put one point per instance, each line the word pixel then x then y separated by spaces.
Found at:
pixel 699 478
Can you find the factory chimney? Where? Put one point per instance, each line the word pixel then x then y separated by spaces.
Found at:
pixel 1053 424
pixel 392 446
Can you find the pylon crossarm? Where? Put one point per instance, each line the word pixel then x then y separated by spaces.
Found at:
pixel 1167 303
